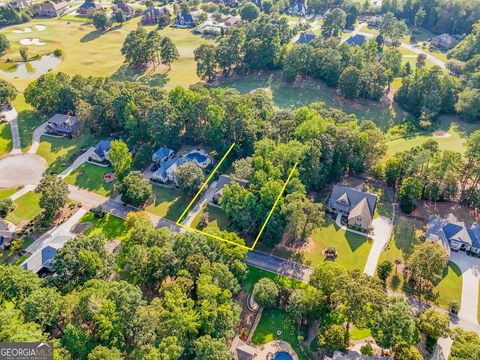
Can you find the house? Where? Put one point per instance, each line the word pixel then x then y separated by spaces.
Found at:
pixel 454 234
pixel 156 15
pixel 355 355
pixel 7 233
pixel 357 205
pixel 64 125
pixel 356 40
pixel 306 37
pixel 184 20
pixel 298 8
pixel 100 154
pixel 444 42
pixel 128 11
pixel 89 6
pixel 375 21
pixel 18 4
pixel 232 20
pixel 222 181
pixel 162 155
pixel 41 260
pixel 51 9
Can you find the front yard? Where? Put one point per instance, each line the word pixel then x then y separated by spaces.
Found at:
pixel 110 226
pixel 26 208
pixel 5 193
pixel 352 249
pixel 217 219
pixel 450 287
pixel 90 177
pixel 167 203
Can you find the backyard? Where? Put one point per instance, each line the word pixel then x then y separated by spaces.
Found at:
pixel 167 203
pixel 26 207
pixel 352 249
pixel 255 274
pixel 90 177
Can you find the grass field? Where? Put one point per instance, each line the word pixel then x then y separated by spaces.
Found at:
pixel 26 207
pixel 450 287
pixel 90 177
pixel 255 274
pixel 59 152
pixel 272 321
pixel 4 193
pixel 352 249
pixel 5 139
pixel 110 226
pixel 217 219
pixel 167 203
pixel 89 52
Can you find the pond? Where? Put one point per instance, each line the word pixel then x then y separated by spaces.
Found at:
pixel 29 70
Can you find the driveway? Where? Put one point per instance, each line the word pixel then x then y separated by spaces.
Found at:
pixel 470 268
pixel 78 161
pixel 21 169
pixel 206 197
pixel 382 233
pixel 37 134
pixel 11 117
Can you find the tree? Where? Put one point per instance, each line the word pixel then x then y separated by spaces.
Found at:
pixel 335 337
pixel 119 16
pixel 168 52
pixel 326 276
pixel 306 304
pixel 189 178
pixel 143 157
pixel 392 29
pixel 427 263
pixel 468 104
pixel 16 283
pixel 135 189
pixel 334 23
pixel 100 20
pixel 120 158
pixel 349 82
pixel 265 292
pixel 24 53
pixel 394 324
pixel 103 353
pixel 249 12
pixel 53 195
pixel 409 193
pixel 207 348
pixel 43 306
pixel 466 346
pixel 406 352
pixel 229 51
pixel 136 48
pixel 421 59
pixel 8 92
pixel 419 16
pixel 5 206
pixel 351 17
pixel 205 56
pixel 433 324
pixel 384 270
pixel 4 43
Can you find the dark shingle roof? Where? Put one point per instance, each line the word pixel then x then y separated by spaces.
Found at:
pixel 356 40
pixel 306 37
pixel 354 197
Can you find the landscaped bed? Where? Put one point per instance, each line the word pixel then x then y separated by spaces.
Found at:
pixel 26 207
pixel 352 249
pixel 167 203
pixel 90 177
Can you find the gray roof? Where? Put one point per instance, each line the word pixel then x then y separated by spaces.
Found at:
pixel 43 257
pixel 452 229
pixel 227 180
pixel 353 196
pixel 61 119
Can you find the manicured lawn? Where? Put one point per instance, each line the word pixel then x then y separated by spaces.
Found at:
pixel 111 226
pixel 217 219
pixel 59 152
pixel 352 249
pixel 5 138
pixel 28 121
pixel 305 92
pixel 4 193
pixel 358 334
pixel 255 274
pixel 26 207
pixel 450 287
pixel 167 203
pixel 274 320
pixel 89 176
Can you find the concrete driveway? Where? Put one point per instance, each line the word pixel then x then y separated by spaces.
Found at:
pixel 37 134
pixel 381 236
pixel 83 158
pixel 21 169
pixel 470 268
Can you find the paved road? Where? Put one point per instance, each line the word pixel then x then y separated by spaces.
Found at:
pixel 382 234
pixel 37 134
pixel 21 169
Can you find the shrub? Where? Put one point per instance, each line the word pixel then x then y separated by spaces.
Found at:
pixel 330 253
pixel 98 212
pixel 58 52
pixel 366 349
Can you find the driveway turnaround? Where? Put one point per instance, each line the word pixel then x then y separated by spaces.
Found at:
pixel 21 169
pixel 382 232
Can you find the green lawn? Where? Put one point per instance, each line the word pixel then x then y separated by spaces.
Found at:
pixel 217 219
pixel 28 121
pixel 7 256
pixel 89 176
pixel 4 193
pixel 450 287
pixel 111 226
pixel 255 274
pixel 26 207
pixel 60 152
pixel 384 202
pixel 272 321
pixel 5 139
pixel 352 249
pixel 358 334
pixel 167 203
pixel 305 92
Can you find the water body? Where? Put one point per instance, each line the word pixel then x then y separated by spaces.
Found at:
pixel 31 69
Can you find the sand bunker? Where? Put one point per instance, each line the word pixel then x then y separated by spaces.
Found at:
pixel 441 134
pixel 35 41
pixel 40 27
pixel 26 30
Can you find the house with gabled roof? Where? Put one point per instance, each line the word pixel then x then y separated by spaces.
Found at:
pixel 127 10
pixel 63 125
pixel 156 15
pixel 100 154
pixel 88 6
pixel 356 40
pixel 306 37
pixel 162 155
pixel 42 259
pixel 52 9
pixel 184 20
pixel 453 234
pixel 444 42
pixel 354 204
pixel 225 180
pixel 7 233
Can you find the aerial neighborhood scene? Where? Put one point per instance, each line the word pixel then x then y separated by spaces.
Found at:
pixel 240 179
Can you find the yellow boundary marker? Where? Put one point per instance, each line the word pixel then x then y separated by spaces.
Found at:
pixel 178 222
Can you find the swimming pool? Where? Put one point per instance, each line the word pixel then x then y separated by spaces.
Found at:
pixel 283 355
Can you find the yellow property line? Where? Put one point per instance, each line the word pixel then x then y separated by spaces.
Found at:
pixel 218 237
